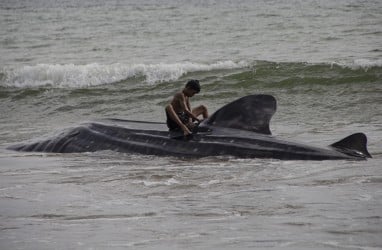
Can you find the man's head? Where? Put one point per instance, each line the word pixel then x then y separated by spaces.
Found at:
pixel 192 88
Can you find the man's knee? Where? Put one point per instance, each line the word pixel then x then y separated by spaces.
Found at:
pixel 202 108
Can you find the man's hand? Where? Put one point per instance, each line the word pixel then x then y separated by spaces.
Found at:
pixel 198 120
pixel 186 131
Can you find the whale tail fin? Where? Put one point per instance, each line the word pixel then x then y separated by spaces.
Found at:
pixel 353 145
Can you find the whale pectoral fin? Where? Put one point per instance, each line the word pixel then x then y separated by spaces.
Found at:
pixel 353 145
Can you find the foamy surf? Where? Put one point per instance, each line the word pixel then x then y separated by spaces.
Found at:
pixel 364 64
pixel 77 76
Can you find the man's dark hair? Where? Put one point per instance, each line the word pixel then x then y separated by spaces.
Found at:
pixel 193 84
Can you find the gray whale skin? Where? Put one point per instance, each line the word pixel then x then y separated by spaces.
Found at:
pixel 239 129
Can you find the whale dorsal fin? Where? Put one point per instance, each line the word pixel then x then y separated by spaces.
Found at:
pixel 252 113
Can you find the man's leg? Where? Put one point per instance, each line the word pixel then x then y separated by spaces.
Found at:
pixel 173 116
pixel 200 110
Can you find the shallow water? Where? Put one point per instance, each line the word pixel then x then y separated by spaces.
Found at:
pixel 108 200
pixel 65 63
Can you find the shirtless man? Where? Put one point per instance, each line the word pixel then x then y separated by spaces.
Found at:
pixel 179 113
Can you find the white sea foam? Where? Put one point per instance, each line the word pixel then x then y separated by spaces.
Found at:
pixel 366 63
pixel 360 64
pixel 74 76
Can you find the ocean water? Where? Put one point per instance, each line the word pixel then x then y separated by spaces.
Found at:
pixel 63 63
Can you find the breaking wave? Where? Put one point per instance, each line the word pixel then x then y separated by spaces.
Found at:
pixel 77 76
pixel 82 76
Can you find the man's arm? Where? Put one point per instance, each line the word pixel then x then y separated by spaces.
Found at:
pixel 185 105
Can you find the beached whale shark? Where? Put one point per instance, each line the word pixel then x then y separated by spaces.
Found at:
pixel 239 129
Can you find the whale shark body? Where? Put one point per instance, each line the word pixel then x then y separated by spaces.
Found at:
pixel 239 129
